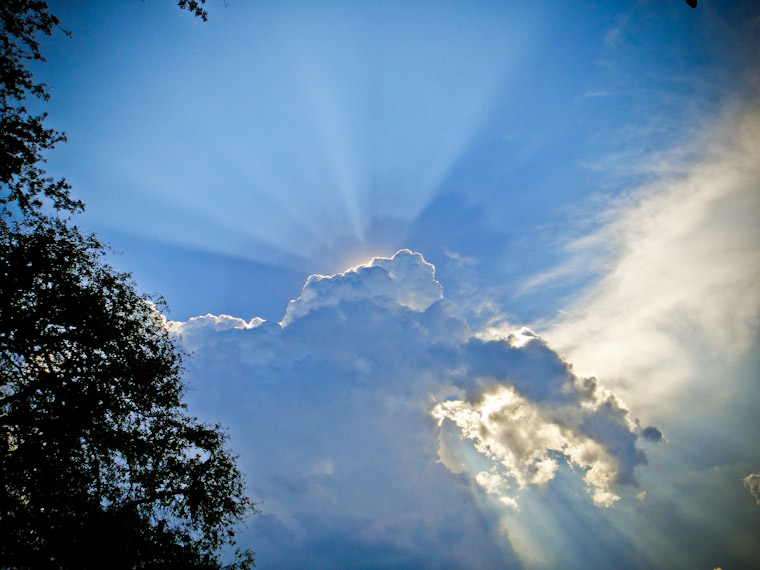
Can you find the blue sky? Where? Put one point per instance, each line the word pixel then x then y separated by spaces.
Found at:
pixel 588 170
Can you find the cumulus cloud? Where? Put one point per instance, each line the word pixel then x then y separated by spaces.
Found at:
pixel 752 482
pixel 214 323
pixel 405 280
pixel 519 438
pixel 373 418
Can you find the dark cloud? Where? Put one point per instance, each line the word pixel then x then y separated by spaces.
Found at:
pixel 651 433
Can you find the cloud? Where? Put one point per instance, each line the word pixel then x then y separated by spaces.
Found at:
pixel 374 422
pixel 405 280
pixel 212 322
pixel 652 434
pixel 374 425
pixel 518 440
pixel 530 411
pixel 670 322
pixel 752 482
pixel 679 287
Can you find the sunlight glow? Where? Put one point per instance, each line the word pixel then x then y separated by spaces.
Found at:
pixel 518 437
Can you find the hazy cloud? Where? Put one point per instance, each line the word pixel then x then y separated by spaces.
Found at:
pixel 670 323
pixel 679 288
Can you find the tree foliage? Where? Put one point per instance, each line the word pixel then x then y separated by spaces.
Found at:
pixel 23 135
pixel 101 465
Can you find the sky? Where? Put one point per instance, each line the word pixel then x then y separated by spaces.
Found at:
pixel 471 284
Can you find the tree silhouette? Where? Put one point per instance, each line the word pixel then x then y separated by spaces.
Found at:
pixel 23 136
pixel 195 7
pixel 101 466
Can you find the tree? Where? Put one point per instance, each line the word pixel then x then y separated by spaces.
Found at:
pixel 23 136
pixel 101 465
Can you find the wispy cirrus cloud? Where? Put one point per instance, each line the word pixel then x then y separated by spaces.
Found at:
pixel 671 321
pixel 680 270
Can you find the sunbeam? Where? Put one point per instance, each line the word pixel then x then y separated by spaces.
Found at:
pixel 331 131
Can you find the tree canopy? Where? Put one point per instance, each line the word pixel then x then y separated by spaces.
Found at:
pixel 23 135
pixel 101 465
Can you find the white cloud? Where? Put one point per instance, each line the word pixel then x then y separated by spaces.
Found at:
pixel 752 482
pixel 680 287
pixel 213 322
pixel 517 437
pixel 406 280
pixel 332 414
pixel 570 417
pixel 671 325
